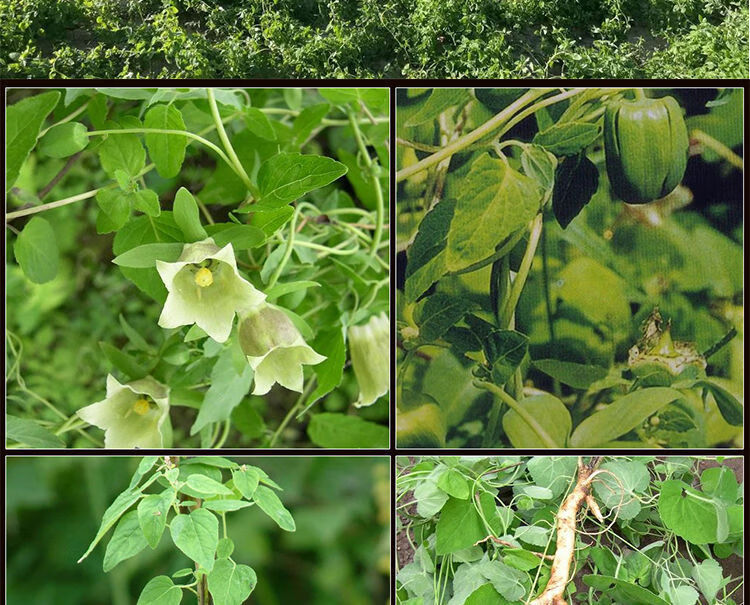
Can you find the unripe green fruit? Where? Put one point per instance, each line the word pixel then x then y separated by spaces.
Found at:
pixel 646 147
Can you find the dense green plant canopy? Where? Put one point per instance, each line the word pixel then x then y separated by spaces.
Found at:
pixel 476 530
pixel 374 38
pixel 197 267
pixel 536 308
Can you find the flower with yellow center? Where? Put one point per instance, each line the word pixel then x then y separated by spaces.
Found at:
pixel 134 414
pixel 141 407
pixel 205 288
pixel 204 277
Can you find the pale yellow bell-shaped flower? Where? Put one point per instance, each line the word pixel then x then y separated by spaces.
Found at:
pixel 369 349
pixel 206 289
pixel 134 414
pixel 274 348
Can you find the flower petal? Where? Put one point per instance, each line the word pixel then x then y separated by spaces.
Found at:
pixel 369 349
pixel 123 426
pixel 176 312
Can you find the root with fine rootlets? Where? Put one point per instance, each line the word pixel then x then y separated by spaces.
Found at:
pixel 566 535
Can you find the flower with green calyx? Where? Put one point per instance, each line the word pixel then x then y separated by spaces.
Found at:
pixel 205 288
pixel 369 349
pixel 274 349
pixel 134 414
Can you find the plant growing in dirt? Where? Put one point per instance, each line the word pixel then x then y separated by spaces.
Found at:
pixel 569 268
pixel 197 276
pixel 548 530
pixel 193 504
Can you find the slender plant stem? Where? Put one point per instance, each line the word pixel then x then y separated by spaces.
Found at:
pixel 373 292
pixel 202 590
pixel 717 147
pixel 373 168
pixel 418 146
pixel 235 161
pixel 68 118
pixel 492 423
pixel 71 424
pixel 89 194
pixel 545 282
pixel 204 210
pixel 183 133
pixel 519 409
pixel 334 211
pixel 522 115
pixel 288 251
pixel 325 121
pixel 224 434
pixel 471 137
pixel 338 249
pixel 548 303
pixel 523 271
pixel 300 402
pixel 56 179
pixel 63 202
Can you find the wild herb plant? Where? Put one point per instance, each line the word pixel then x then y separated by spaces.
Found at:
pixel 551 530
pixel 374 39
pixel 202 244
pixel 193 505
pixel 567 276
pixel 339 551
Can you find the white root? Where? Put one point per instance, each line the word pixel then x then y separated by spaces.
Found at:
pixel 566 537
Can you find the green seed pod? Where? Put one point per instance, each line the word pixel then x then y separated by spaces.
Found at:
pixel 646 146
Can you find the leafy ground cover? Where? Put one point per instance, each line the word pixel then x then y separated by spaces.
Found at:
pixel 144 222
pixel 374 38
pixel 535 307
pixel 337 550
pixel 500 529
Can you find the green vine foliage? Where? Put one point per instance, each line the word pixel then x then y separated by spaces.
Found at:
pixel 204 254
pixel 482 530
pixel 535 307
pixel 194 502
pixel 374 38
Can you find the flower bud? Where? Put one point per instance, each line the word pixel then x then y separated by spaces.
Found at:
pixel 274 348
pixel 369 349
pixel 264 328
